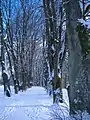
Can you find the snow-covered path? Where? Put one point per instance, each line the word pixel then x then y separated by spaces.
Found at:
pixel 30 105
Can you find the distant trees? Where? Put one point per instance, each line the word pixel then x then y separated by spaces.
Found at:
pixel 22 23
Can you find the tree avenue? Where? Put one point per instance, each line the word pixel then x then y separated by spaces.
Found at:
pixel 47 43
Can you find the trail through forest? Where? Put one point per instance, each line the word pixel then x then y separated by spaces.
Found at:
pixel 30 105
pixel 33 104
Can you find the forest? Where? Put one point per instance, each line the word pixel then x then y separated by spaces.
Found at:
pixel 46 43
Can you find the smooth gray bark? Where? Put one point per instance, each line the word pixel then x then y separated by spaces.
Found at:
pixel 78 87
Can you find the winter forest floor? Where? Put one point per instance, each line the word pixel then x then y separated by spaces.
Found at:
pixel 33 104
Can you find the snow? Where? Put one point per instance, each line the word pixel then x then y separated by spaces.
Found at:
pixel 30 105
pixel 53 48
pixel 5 37
pixel 33 104
pixel 60 111
pixel 59 75
pixel 85 23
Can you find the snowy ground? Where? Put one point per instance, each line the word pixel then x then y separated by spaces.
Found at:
pixel 34 104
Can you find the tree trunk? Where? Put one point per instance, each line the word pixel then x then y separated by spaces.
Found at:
pixel 2 46
pixel 88 82
pixel 77 77
pixel 52 40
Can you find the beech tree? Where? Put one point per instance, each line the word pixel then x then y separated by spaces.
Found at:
pixel 79 91
pixel 54 28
